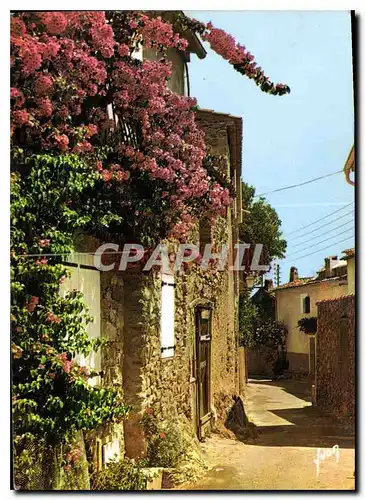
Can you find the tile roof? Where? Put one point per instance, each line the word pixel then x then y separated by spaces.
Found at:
pixel 336 298
pixel 298 282
pixel 307 281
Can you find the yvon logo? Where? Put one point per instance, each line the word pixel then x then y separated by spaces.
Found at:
pixel 322 454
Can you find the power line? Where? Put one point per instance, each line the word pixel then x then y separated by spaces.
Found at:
pixel 325 248
pixel 318 220
pixel 320 227
pixel 319 242
pixel 300 184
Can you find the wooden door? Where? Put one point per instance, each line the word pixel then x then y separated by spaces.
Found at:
pixel 203 368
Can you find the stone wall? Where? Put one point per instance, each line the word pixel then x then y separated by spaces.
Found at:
pixel 289 311
pixel 260 360
pixel 335 356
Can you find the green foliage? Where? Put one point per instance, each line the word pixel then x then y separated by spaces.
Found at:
pixel 308 325
pixel 166 446
pixel 264 301
pixel 261 225
pixel 270 333
pixel 257 329
pixel 126 474
pixel 51 396
pixel 247 314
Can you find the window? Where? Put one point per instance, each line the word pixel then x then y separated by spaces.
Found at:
pixel 306 304
pixel 167 333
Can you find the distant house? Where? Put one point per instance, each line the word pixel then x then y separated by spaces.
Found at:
pixel 350 258
pixel 297 299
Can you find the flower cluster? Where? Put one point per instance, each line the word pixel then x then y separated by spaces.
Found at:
pixel 72 458
pixel 66 363
pixel 52 318
pixel 155 31
pixel 32 304
pixel 74 67
pixel 236 54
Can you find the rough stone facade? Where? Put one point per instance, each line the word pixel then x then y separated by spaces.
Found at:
pixel 335 357
pixel 130 319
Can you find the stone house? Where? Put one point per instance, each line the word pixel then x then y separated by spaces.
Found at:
pixel 173 337
pixel 297 299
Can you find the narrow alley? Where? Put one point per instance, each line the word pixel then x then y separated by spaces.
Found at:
pixel 290 432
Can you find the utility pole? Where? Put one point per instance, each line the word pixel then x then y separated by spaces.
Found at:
pixel 277 274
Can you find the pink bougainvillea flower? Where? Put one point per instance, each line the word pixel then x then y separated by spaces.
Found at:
pixel 42 262
pixel 162 435
pixel 52 318
pixel 20 117
pixel 123 50
pixel 33 302
pixel 45 243
pixel 62 142
pixel 55 22
pixel 45 107
pixel 43 84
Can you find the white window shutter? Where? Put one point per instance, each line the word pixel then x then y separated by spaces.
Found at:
pixel 111 451
pixel 167 326
pixel 87 281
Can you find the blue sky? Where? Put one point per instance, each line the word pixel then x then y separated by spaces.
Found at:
pixel 293 138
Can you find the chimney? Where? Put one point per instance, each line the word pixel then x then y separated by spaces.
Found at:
pixel 293 276
pixel 328 262
pixel 268 284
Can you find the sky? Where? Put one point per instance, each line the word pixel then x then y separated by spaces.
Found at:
pixel 294 138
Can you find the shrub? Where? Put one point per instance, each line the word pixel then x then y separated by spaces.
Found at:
pixel 166 445
pixel 270 333
pixel 126 474
pixel 308 325
pixel 246 316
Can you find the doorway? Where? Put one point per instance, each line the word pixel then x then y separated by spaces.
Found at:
pixel 203 328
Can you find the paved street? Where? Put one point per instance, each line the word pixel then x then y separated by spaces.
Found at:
pixel 290 431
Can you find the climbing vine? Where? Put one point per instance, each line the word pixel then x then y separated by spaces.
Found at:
pixel 51 396
pixel 98 142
